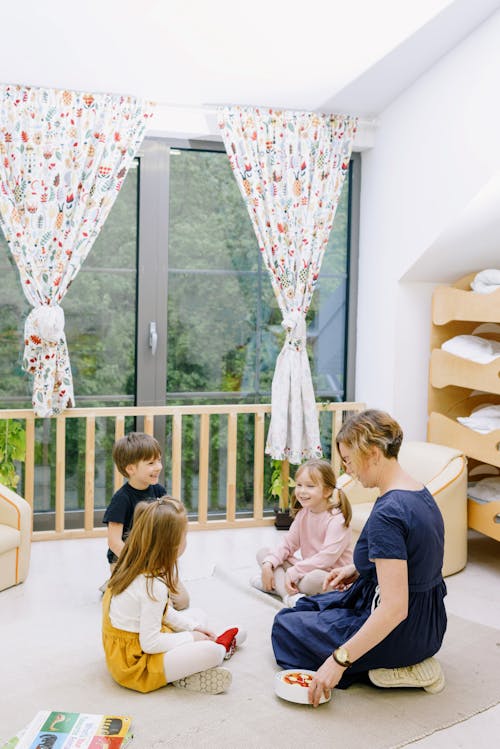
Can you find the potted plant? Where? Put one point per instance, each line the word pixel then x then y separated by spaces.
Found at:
pixel 12 449
pixel 281 483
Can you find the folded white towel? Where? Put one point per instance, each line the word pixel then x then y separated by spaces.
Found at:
pixel 486 281
pixel 483 419
pixel 473 347
pixel 486 490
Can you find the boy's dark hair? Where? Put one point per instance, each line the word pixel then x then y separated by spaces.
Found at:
pixel 134 447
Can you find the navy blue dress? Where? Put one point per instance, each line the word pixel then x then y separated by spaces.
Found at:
pixel 403 524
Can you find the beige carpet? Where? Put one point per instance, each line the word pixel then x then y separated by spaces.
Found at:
pixel 61 668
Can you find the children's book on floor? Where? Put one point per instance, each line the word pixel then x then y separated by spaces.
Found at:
pixel 56 729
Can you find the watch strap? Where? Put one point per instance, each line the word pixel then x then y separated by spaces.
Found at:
pixel 344 663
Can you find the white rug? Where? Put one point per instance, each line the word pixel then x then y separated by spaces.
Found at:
pixel 61 667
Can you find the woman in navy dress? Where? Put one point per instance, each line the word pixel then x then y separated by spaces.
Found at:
pixel 384 614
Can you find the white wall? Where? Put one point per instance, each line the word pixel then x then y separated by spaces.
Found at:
pixel 436 146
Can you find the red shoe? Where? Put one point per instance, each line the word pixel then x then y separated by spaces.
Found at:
pixel 228 639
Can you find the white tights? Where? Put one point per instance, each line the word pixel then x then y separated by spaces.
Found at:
pixel 192 657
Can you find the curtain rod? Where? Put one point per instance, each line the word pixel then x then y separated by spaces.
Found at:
pixel 211 109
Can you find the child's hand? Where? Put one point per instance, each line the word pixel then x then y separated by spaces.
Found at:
pixel 341 577
pixel 267 577
pixel 290 586
pixel 199 633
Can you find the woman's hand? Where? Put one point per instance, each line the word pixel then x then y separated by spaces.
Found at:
pixel 341 577
pixel 267 577
pixel 200 633
pixel 326 678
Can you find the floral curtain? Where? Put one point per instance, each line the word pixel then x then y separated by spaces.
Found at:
pixel 63 158
pixel 290 167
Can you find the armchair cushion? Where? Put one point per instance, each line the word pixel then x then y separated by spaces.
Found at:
pixel 15 537
pixel 10 538
pixel 443 470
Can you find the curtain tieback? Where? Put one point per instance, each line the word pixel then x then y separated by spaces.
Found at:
pixel 43 329
pixel 295 326
pixel 45 322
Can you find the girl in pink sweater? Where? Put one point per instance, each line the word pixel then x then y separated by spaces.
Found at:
pixel 320 532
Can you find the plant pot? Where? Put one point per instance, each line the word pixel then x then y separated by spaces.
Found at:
pixel 283 519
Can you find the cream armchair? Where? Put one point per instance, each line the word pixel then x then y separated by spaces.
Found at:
pixel 15 538
pixel 443 470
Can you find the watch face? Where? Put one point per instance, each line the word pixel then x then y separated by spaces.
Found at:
pixel 342 655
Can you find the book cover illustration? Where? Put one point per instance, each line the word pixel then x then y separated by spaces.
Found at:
pixel 64 730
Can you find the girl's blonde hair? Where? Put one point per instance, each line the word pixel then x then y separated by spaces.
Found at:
pixel 152 547
pixel 322 474
pixel 368 429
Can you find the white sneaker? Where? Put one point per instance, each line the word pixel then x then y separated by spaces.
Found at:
pixel 240 637
pixel 290 601
pixel 427 674
pixel 256 582
pixel 211 681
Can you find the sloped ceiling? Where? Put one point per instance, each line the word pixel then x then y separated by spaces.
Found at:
pixel 469 244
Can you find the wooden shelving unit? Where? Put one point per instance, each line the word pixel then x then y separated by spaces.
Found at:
pixel 457 386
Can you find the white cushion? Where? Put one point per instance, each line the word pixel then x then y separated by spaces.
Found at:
pixel 425 460
pixel 10 538
pixel 473 347
pixel 360 513
pixel 486 281
pixel 487 490
pixel 483 419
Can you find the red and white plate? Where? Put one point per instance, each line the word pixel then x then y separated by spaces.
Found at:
pixel 293 685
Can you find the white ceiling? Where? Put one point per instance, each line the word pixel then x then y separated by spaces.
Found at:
pixel 326 55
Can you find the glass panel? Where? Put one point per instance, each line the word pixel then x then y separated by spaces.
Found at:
pixel 209 227
pixel 326 318
pixel 100 311
pixel 100 308
pixel 217 315
pixel 336 253
pixel 15 387
pixel 211 320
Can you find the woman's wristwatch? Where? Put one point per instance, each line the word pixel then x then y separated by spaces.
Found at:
pixel 341 656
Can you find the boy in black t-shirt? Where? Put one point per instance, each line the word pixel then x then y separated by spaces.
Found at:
pixel 138 458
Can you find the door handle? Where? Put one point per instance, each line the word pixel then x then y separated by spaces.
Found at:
pixel 153 338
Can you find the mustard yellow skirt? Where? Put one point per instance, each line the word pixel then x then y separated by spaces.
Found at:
pixel 127 663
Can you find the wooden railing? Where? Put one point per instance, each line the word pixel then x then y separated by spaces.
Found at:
pixel 338 411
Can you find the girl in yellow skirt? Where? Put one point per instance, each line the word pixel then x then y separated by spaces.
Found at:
pixel 148 643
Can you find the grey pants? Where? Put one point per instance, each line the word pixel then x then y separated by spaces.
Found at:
pixel 310 585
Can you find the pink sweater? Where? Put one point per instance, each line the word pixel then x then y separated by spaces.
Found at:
pixel 323 540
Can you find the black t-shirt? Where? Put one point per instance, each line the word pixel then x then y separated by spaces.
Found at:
pixel 122 506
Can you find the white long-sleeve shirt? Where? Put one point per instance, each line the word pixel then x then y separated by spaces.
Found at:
pixel 134 611
pixel 322 538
